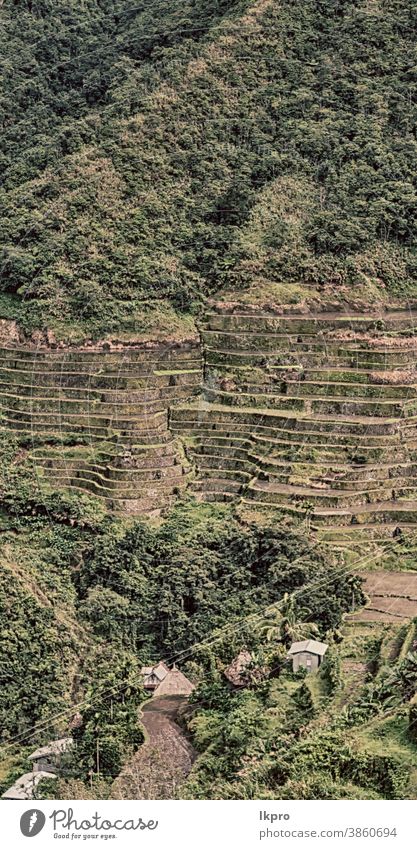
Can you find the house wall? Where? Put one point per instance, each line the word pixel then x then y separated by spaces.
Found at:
pixel 45 764
pixel 306 660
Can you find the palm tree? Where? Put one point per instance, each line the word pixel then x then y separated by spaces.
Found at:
pixel 270 627
pixel 288 623
pixel 295 624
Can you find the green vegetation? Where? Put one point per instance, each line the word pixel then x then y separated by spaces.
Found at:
pixel 164 153
pixel 87 599
pixel 109 729
pixel 282 739
pixel 160 590
pixel 151 157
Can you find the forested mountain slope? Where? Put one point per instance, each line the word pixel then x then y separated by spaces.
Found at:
pixel 161 152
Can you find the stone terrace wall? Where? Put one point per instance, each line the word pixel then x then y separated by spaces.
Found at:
pixel 96 418
pixel 311 414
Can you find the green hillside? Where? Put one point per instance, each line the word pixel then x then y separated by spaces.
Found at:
pixel 346 733
pixel 162 153
pixel 86 599
pixel 207 479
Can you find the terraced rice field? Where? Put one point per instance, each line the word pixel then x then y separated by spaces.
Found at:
pixel 393 597
pixel 97 420
pixel 314 415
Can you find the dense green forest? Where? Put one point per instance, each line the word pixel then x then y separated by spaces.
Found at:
pixel 87 598
pixel 163 152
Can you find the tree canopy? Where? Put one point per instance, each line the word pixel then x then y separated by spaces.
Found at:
pixel 158 152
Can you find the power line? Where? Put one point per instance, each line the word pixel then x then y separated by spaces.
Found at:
pixel 182 655
pixel 278 605
pixel 226 23
pixel 110 583
pixel 379 715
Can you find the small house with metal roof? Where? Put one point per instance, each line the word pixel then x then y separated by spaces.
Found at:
pixel 307 654
pixel 48 758
pixel 153 675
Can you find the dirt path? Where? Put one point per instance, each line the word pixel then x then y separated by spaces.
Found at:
pixel 163 761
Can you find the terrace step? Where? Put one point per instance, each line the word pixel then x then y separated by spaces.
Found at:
pixel 292 384
pixel 245 321
pixel 97 421
pixel 281 493
pixel 141 390
pixel 99 485
pixel 307 356
pixel 204 410
pixel 113 478
pixel 316 407
pixel 403 514
pixel 333 406
pixel 212 485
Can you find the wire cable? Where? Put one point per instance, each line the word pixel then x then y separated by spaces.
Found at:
pixel 181 655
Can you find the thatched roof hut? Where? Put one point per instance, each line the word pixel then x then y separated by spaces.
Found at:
pixel 174 684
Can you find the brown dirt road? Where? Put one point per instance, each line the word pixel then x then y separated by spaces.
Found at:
pixel 163 761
